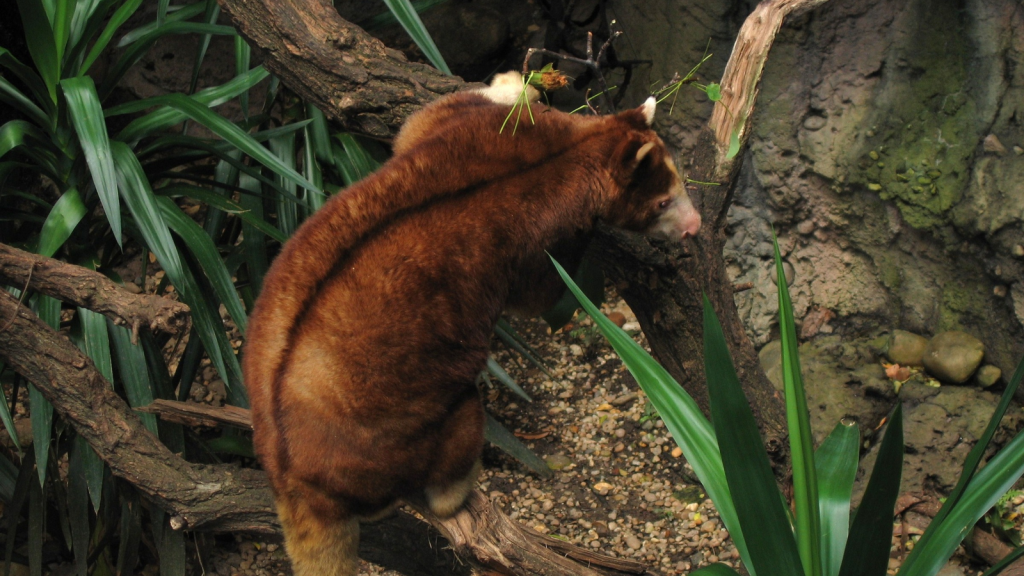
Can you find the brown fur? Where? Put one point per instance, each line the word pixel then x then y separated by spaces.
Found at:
pixel 375 319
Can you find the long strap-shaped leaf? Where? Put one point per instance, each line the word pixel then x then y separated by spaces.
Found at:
pixel 166 117
pixel 683 418
pixel 131 365
pixel 87 117
pixel 867 550
pixel 225 204
pixel 980 494
pixel 495 369
pixel 83 25
pixel 62 26
pixel 39 37
pixel 410 20
pixel 836 463
pixel 211 13
pixel 498 435
pixel 88 21
pixel 354 162
pixel 34 82
pixel 120 16
pixel 96 345
pixel 140 201
pixel 970 466
pixel 78 502
pixel 185 13
pixel 17 133
pixel 253 245
pixel 48 310
pixel 8 420
pixel 62 220
pixel 231 133
pixel 801 440
pixel 205 252
pixel 13 97
pixel 751 481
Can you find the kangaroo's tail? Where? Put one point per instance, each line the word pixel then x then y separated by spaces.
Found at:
pixel 318 544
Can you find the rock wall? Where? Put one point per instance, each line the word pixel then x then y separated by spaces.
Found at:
pixel 887 152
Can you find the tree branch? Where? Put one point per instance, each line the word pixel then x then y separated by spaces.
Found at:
pixel 226 498
pixel 83 287
pixel 742 77
pixel 351 76
pixel 481 531
pixel 200 496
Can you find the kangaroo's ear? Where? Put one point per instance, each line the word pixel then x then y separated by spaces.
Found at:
pixel 643 151
pixel 641 117
pixel 647 109
pixel 635 155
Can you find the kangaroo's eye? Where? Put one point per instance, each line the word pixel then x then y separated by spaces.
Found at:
pixel 664 204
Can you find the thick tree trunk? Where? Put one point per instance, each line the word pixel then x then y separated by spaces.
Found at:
pixel 663 283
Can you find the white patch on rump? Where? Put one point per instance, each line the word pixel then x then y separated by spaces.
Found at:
pixel 507 89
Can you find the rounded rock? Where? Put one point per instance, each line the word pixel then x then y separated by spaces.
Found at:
pixel 814 123
pixel 906 348
pixel 988 375
pixel 787 271
pixel 558 461
pixel 953 356
pixel 992 145
pixel 618 318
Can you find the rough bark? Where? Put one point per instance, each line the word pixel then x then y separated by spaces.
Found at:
pixel 83 287
pixel 351 76
pixel 990 549
pixel 192 414
pixel 212 497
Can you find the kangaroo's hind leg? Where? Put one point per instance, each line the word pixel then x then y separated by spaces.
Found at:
pixel 458 456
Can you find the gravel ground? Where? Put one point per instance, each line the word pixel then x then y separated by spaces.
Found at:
pixel 620 485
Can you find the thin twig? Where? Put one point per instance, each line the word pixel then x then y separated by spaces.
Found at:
pixel 21 300
pixel 586 98
pixel 594 64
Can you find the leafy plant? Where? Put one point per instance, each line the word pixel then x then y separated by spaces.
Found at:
pixel 86 182
pixel 101 185
pixel 819 539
